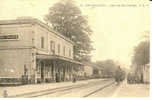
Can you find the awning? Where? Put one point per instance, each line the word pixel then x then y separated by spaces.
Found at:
pixel 51 57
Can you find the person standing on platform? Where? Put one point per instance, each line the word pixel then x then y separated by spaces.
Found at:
pixel 118 75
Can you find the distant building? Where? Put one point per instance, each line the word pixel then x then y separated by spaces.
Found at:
pixel 91 70
pixel 30 50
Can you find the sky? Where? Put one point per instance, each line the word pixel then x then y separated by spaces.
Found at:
pixel 116 29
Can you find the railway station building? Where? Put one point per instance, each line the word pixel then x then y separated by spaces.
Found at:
pixel 32 52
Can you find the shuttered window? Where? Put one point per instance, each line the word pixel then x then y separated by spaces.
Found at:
pixel 42 42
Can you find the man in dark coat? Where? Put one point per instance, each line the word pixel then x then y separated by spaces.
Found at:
pixel 118 75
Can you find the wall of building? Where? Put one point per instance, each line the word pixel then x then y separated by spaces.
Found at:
pixel 16 53
pixel 12 62
pixel 30 35
pixel 24 31
pixel 48 37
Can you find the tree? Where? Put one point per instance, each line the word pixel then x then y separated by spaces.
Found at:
pixel 67 19
pixel 142 53
pixel 141 57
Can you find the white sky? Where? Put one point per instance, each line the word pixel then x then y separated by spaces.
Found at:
pixel 116 30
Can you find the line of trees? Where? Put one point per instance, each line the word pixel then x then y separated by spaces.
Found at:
pixel 141 57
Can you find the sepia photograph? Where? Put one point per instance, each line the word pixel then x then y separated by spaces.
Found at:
pixel 74 48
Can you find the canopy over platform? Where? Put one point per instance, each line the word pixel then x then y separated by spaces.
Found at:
pixel 53 57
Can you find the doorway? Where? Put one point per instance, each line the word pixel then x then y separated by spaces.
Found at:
pixel 42 71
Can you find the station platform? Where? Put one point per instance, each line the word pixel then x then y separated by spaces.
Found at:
pixel 13 91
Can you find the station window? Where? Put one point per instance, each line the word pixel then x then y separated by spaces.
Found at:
pixel 42 42
pixel 69 52
pixel 58 48
pixel 52 46
pixel 25 70
pixel 64 50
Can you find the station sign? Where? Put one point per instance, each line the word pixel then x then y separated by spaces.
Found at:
pixel 10 36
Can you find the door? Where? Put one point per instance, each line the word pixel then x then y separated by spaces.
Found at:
pixel 42 71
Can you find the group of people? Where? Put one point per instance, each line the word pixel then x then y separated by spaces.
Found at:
pixel 119 75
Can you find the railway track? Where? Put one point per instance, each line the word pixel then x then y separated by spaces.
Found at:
pixel 107 85
pixel 63 89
